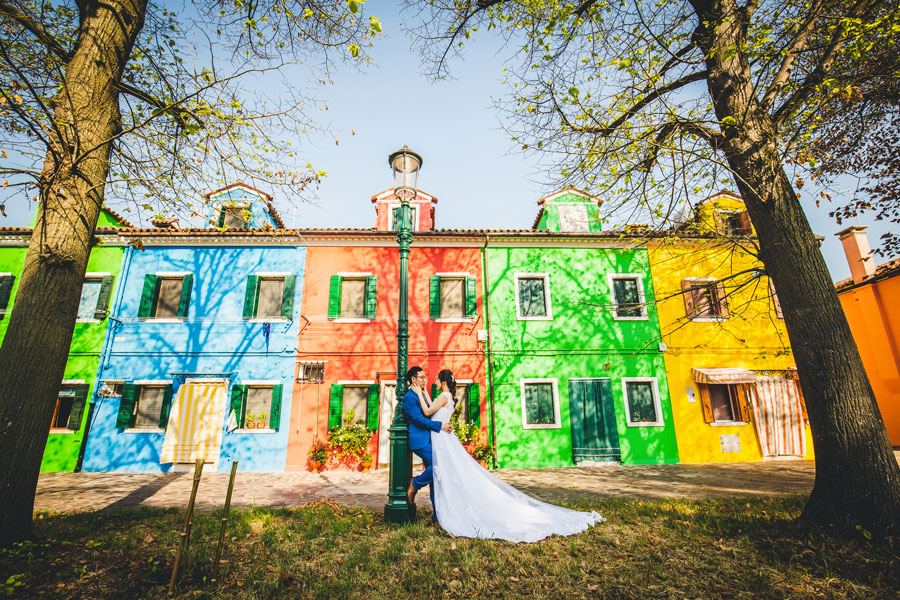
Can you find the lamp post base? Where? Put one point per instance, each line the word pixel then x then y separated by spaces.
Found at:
pixel 399 515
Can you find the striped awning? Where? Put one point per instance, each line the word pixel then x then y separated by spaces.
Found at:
pixel 724 375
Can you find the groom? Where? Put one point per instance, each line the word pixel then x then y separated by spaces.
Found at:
pixel 420 428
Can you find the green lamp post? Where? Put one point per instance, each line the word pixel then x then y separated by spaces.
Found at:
pixel 406 164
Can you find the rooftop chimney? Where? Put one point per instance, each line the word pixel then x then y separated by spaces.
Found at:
pixel 859 254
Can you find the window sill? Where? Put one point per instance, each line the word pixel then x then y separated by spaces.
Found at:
pixel 255 431
pixel 61 431
pixel 144 430
pixel 549 318
pixel 644 318
pixel 548 426
pixel 709 319
pixel 647 424
pixel 727 423
pixel 88 321
pixel 268 320
pixel 352 320
pixel 164 320
pixel 454 319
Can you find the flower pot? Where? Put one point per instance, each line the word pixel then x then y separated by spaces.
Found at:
pixel 483 463
pixel 365 465
pixel 315 466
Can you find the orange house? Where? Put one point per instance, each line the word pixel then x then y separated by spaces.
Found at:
pixel 871 301
pixel 347 345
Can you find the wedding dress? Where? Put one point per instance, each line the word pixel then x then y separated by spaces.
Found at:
pixel 470 502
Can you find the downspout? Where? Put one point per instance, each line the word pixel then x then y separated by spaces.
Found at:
pixel 114 323
pixel 487 324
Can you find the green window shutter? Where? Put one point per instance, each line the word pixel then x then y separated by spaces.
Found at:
pixel 371 296
pixel 434 391
pixel 335 406
pixel 78 404
pixel 237 403
pixel 474 404
pixel 275 411
pixel 435 296
pixel 166 406
pixel 372 407
pixel 102 309
pixel 334 297
pixel 221 216
pixel 126 416
pixel 287 298
pixel 185 301
pixel 471 304
pixel 250 296
pixel 395 214
pixel 148 296
pixel 6 284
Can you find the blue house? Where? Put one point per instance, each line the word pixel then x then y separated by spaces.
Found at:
pixel 200 358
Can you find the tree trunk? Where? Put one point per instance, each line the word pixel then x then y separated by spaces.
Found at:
pixel 857 476
pixel 35 349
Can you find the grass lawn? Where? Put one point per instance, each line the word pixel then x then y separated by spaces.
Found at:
pixel 737 548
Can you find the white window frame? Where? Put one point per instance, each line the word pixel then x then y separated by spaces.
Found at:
pixel 546 278
pixel 93 276
pixel 612 277
pixel 715 319
pixel 555 387
pixel 154 319
pixel 271 275
pixel 142 382
pixel 352 319
pixel 415 218
pixel 587 216
pixel 5 311
pixel 464 318
pixel 656 402
pixel 260 383
pixel 242 204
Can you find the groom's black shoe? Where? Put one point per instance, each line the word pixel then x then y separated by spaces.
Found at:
pixel 411 492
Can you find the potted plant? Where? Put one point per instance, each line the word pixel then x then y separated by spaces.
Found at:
pixel 483 454
pixel 318 454
pixel 365 462
pixel 261 420
pixel 250 422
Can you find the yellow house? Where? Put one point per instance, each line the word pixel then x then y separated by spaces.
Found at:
pixel 730 369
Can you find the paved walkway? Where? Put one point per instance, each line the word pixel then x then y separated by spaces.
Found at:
pixel 68 492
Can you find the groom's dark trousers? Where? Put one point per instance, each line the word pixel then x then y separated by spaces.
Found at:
pixel 420 428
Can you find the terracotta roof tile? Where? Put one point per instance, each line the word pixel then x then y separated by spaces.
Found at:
pixel 882 271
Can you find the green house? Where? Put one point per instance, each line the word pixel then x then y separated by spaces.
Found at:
pixel 70 416
pixel 576 361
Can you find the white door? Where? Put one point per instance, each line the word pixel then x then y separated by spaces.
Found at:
pixel 385 418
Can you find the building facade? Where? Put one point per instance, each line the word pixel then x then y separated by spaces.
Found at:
pixel 200 363
pixel 870 299
pixel 727 360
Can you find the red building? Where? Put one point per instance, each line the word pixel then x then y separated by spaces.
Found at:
pixel 347 346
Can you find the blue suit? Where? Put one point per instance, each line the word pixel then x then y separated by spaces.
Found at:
pixel 420 428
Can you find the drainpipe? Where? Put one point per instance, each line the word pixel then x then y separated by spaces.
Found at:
pixel 487 324
pixel 114 323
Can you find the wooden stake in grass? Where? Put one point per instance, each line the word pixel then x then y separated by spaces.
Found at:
pixel 224 521
pixel 182 553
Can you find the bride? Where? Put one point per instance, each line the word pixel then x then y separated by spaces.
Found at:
pixel 470 502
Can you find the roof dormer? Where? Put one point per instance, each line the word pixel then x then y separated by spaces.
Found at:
pixel 723 213
pixel 239 206
pixel 569 210
pixel 387 211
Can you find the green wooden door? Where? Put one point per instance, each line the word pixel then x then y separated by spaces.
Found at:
pixel 594 433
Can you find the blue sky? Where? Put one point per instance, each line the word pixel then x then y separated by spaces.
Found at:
pixel 469 162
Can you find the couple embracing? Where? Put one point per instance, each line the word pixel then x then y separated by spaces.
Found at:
pixel 468 501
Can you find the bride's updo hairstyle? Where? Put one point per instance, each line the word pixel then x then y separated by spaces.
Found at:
pixel 446 376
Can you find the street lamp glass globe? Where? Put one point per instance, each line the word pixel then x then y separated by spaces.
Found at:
pixel 405 164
